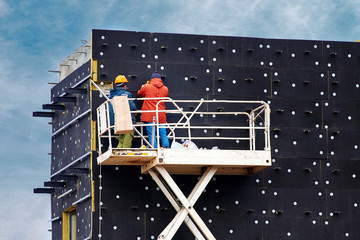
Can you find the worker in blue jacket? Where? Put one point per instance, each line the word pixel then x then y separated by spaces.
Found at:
pixel 125 140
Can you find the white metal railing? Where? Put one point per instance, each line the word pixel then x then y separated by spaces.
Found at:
pixel 255 119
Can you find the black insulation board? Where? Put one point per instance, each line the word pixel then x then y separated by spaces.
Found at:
pixel 71 144
pixel 310 191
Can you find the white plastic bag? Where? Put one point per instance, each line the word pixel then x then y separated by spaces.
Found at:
pixel 190 145
pixel 176 145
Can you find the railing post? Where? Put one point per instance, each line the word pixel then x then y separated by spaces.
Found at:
pixel 108 123
pixel 250 131
pixel 98 131
pixel 157 129
pixel 253 147
pixel 153 134
pixel 267 125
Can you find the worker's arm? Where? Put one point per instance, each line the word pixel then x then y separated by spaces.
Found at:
pixel 131 102
pixel 167 94
pixel 141 92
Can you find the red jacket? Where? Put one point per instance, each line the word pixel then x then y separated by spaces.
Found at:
pixel 155 88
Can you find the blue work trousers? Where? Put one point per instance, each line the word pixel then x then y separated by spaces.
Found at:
pixel 162 132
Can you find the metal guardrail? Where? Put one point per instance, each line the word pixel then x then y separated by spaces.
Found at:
pixel 257 119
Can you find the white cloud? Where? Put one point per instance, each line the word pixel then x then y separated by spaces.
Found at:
pixel 252 18
pixel 24 215
pixel 21 92
pixel 301 19
pixel 4 8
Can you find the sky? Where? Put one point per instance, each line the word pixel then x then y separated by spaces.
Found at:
pixel 36 35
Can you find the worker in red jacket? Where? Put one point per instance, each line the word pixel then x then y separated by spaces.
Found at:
pixel 155 88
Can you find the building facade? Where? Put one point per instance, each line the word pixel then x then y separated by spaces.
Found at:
pixel 311 191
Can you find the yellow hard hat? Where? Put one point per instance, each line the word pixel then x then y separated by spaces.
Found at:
pixel 120 79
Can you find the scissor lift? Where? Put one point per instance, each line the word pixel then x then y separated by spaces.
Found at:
pixel 160 163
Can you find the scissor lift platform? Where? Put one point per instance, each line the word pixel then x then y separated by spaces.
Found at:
pixel 186 161
pixel 161 163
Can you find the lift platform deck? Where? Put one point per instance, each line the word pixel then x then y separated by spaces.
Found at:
pixel 186 161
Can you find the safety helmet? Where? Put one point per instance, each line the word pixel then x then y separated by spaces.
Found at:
pixel 120 79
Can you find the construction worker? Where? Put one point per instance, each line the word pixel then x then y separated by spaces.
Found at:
pixel 155 88
pixel 125 140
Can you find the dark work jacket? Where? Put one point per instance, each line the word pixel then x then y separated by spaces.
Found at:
pixel 120 91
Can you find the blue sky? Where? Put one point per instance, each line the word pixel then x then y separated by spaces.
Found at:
pixel 36 35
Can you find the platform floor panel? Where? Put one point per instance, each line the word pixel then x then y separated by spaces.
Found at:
pixel 236 162
pixel 126 157
pixel 215 157
pixel 185 161
pixel 199 170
